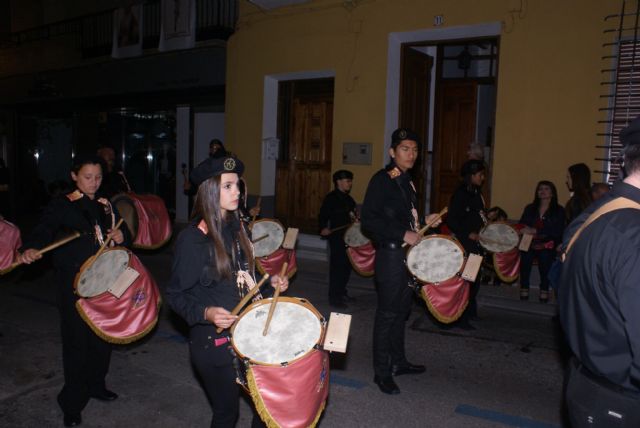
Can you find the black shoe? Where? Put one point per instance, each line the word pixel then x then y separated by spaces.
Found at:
pixel 387 385
pixel 72 419
pixel 104 395
pixel 397 370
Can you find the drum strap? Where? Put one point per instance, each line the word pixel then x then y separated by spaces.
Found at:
pixel 221 341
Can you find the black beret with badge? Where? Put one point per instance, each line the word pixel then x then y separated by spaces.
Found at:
pixel 630 135
pixel 212 167
pixel 402 134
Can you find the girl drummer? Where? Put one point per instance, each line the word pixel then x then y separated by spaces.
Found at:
pixel 212 270
pixel 85 356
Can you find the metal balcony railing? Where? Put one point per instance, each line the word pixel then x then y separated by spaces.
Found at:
pixel 215 20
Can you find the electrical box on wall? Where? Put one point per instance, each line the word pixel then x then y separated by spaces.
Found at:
pixel 356 153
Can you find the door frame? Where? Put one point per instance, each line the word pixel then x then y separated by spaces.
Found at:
pixel 394 56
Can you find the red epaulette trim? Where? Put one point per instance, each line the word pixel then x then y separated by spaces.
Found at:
pixel 74 196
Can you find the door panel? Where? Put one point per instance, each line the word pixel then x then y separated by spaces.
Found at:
pixel 455 130
pixel 304 179
pixel 414 111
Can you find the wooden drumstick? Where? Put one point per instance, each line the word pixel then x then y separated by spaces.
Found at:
pixel 53 246
pixel 274 300
pixel 431 223
pixel 335 229
pixel 260 238
pixel 246 299
pixel 108 240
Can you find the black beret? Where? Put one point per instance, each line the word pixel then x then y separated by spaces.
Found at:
pixel 472 166
pixel 342 173
pixel 401 134
pixel 212 167
pixel 631 134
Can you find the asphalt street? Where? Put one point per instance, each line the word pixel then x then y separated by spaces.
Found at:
pixel 507 372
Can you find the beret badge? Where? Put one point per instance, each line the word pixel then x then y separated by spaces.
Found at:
pixel 229 164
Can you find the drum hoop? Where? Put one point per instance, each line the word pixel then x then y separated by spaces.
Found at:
pixel 302 302
pixel 86 264
pixel 497 222
pixel 450 238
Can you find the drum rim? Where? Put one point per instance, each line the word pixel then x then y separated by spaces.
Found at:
pixel 84 266
pixel 296 300
pixel 500 222
pixel 272 220
pixel 126 196
pixel 447 237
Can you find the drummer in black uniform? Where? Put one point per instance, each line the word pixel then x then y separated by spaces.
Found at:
pixel 390 216
pixel 85 356
pixel 465 218
pixel 212 256
pixel 337 212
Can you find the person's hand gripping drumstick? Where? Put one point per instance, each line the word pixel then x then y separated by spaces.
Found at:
pixel 222 318
pixel 31 255
pixel 432 220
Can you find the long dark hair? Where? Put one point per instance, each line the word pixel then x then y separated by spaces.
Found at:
pixel 207 207
pixel 553 205
pixel 581 188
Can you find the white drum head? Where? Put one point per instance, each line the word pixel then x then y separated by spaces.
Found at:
pixel 102 273
pixel 294 330
pixel 499 237
pixel 435 259
pixel 267 237
pixel 353 237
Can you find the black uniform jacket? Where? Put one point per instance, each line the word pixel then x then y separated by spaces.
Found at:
pixel 464 215
pixel 65 215
pixel 386 210
pixel 599 296
pixel 194 283
pixel 336 210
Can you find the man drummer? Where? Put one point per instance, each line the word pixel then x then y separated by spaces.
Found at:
pixel 337 212
pixel 390 216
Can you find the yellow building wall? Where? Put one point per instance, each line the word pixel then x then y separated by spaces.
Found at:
pixel 548 80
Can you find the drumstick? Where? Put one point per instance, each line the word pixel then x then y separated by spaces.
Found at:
pixel 53 246
pixel 257 206
pixel 260 238
pixel 246 299
pixel 108 240
pixel 335 229
pixel 274 301
pixel 431 223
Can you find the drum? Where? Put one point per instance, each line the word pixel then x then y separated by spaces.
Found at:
pixel 97 275
pixel 146 217
pixel 499 237
pixel 129 314
pixel 9 244
pixel 286 374
pixel 267 236
pixel 353 236
pixel 435 259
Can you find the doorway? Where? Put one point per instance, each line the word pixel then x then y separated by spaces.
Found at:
pixel 461 88
pixel 303 169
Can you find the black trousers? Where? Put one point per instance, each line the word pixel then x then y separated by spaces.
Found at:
pixel 592 403
pixel 214 365
pixel 85 356
pixel 394 305
pixel 339 267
